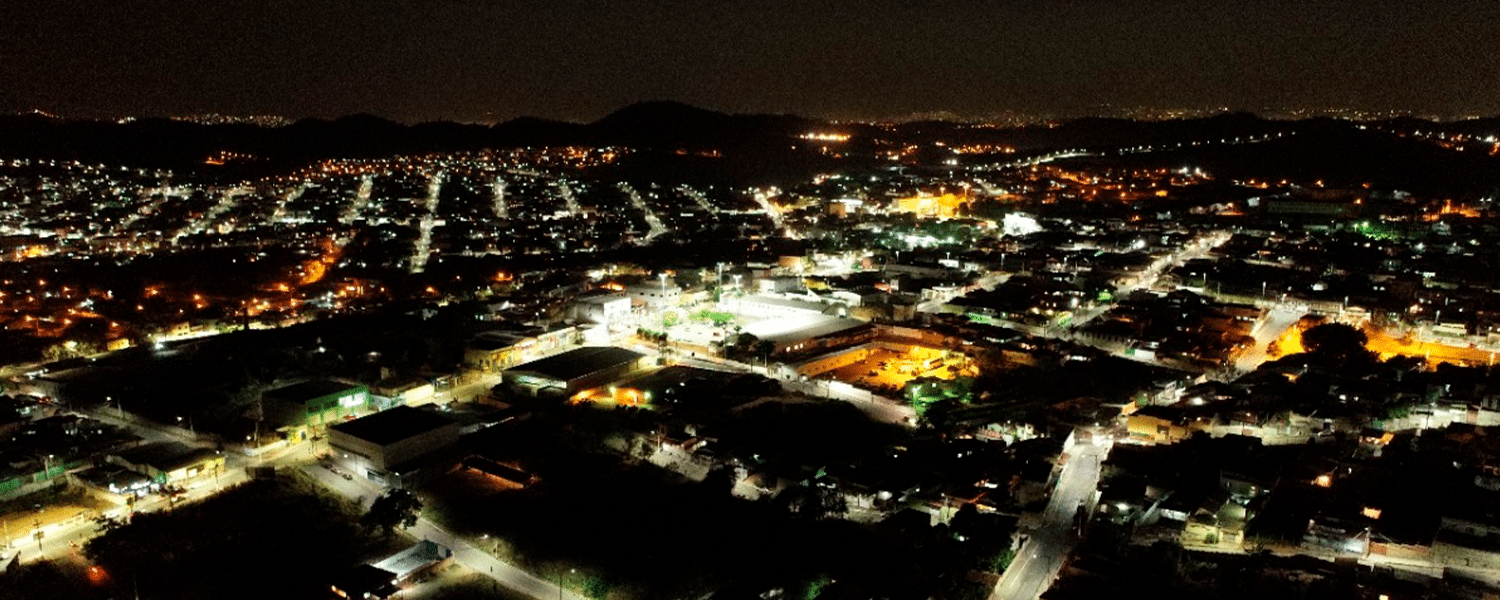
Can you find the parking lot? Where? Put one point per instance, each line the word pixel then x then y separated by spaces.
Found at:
pixel 890 370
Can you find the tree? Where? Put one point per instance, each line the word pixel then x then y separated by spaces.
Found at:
pixel 396 508
pixel 107 523
pixel 722 478
pixel 71 349
pixel 823 503
pixel 764 348
pixel 1339 344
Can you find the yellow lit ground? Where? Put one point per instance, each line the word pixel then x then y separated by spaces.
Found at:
pixel 618 396
pixel 1387 346
pixel 894 369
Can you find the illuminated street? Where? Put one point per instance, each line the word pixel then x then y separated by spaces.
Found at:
pixel 1277 325
pixel 1386 345
pixel 1038 561
pixel 465 552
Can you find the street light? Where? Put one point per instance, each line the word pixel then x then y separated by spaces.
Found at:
pixel 560 582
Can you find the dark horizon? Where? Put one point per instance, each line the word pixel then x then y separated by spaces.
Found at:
pixel 1007 119
pixel 463 61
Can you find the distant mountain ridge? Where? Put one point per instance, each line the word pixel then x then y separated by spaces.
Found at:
pixel 752 145
pixel 648 124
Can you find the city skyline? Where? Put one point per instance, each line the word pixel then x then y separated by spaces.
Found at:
pixel 464 300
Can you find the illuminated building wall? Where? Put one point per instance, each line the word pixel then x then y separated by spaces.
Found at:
pixel 941 207
pixel 320 402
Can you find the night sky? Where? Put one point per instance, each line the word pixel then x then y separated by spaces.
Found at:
pixel 491 60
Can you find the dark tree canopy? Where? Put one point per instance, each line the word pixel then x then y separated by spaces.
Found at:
pixel 1339 344
pixel 397 508
pixel 265 538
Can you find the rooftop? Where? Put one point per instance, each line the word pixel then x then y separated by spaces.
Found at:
pixel 394 425
pixel 358 581
pixel 579 362
pixel 165 456
pixel 801 327
pixel 308 390
pixel 807 305
pixel 414 558
pixel 601 297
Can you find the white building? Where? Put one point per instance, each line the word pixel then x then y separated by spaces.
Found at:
pixel 655 295
pixel 610 309
pixel 766 307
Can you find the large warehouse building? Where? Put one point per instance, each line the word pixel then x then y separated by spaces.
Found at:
pixel 573 371
pixel 811 333
pixel 391 440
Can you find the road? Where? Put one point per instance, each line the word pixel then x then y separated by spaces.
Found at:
pixel 58 537
pixel 699 198
pixel 876 407
pixel 65 536
pixel 775 215
pixel 364 492
pixel 469 391
pixel 1380 342
pixel 652 221
pixel 61 536
pixel 1043 555
pixel 1033 161
pixel 420 250
pixel 501 210
pixel 141 427
pixel 879 408
pixel 202 223
pixel 360 201
pixel 1278 321
pixel 1195 249
pixel 566 193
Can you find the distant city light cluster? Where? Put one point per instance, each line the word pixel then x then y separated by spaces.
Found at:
pixel 825 137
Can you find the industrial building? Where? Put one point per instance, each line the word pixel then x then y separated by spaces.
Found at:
pixel 389 442
pixel 573 371
pixel 385 578
pixel 317 402
pixel 500 349
pixel 809 333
